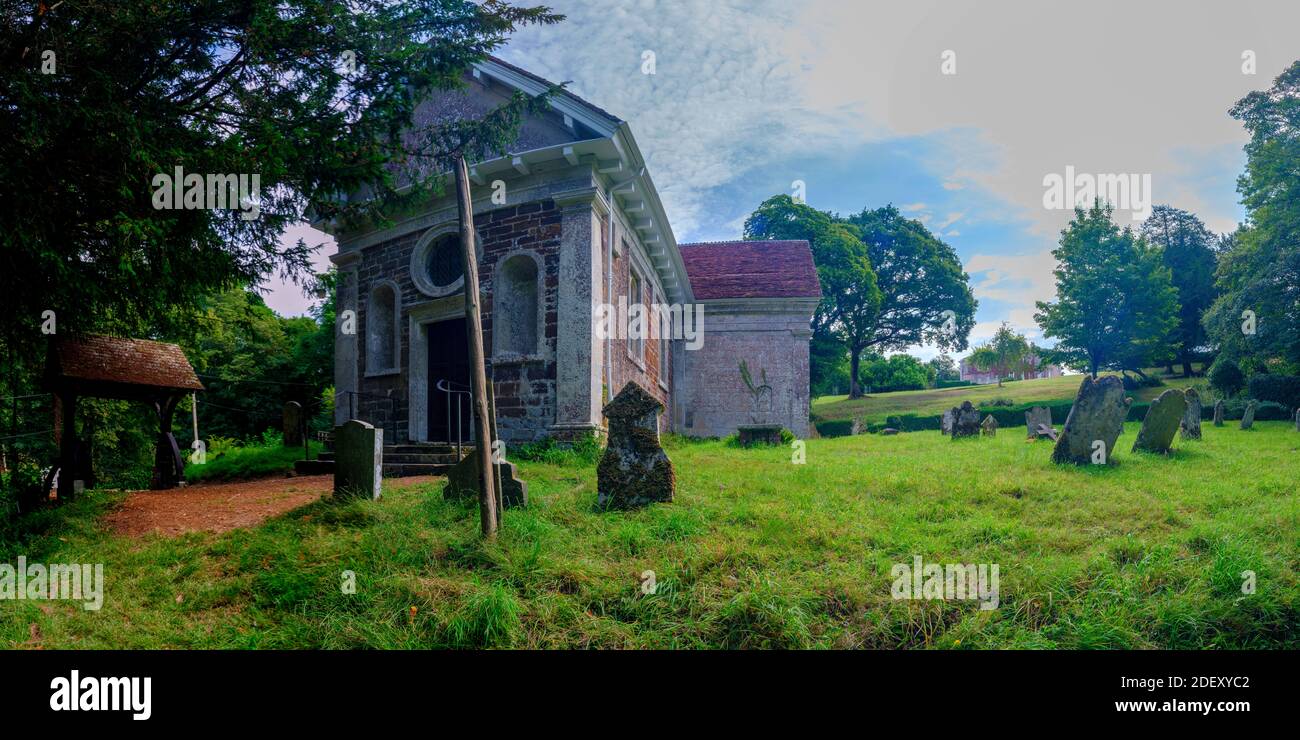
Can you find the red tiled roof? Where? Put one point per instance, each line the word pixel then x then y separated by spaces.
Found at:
pixel 128 361
pixel 757 269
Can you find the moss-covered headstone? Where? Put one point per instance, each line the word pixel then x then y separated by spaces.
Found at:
pixel 635 470
pixel 1095 422
pixel 291 419
pixel 1248 416
pixel 1161 422
pixel 463 480
pixel 358 459
pixel 1191 426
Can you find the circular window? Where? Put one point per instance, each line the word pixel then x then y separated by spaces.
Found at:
pixel 436 265
pixel 443 265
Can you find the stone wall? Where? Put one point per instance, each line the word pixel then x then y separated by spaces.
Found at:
pixel 768 334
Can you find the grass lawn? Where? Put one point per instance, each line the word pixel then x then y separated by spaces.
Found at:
pixel 254 461
pixel 879 406
pixel 754 552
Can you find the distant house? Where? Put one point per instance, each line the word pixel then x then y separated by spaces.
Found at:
pixel 975 375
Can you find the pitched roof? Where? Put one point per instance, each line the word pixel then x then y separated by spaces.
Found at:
pixel 140 362
pixel 543 81
pixel 751 269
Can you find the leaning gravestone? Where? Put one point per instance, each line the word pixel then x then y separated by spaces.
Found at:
pixel 989 427
pixel 948 418
pixel 1097 415
pixel 635 470
pixel 358 459
pixel 966 421
pixel 292 419
pixel 1161 422
pixel 1248 416
pixel 463 480
pixel 1036 418
pixel 1218 413
pixel 1191 426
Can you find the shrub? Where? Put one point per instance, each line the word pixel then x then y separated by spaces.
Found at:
pixel 952 383
pixel 1280 389
pixel 1227 378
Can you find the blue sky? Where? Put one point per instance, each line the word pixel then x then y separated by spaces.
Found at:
pixel 747 97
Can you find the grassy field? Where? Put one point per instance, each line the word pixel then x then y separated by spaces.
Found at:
pixel 755 552
pixel 253 461
pixel 877 407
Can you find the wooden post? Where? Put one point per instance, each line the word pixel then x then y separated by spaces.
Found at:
pixel 67 413
pixel 492 410
pixel 487 502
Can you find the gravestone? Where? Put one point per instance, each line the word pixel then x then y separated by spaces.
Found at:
pixel 889 431
pixel 463 480
pixel 292 419
pixel 358 459
pixel 1161 422
pixel 1218 413
pixel 1191 426
pixel 1035 419
pixel 1297 420
pixel 989 427
pixel 948 418
pixel 1248 416
pixel 635 470
pixel 1097 415
pixel 966 421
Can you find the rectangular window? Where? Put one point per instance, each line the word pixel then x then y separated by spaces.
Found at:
pixel 635 329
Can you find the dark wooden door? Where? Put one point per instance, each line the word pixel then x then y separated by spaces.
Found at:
pixel 448 360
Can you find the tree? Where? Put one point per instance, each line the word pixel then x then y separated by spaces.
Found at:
pixel 101 102
pixel 1187 249
pixel 1007 353
pixel 925 295
pixel 898 372
pixel 850 298
pixel 945 368
pixel 1116 303
pixel 1258 309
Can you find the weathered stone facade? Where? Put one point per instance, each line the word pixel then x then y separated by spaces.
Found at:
pixel 572 223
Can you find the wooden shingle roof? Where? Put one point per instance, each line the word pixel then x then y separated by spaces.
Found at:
pixel 136 362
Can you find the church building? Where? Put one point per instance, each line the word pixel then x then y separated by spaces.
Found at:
pixel 575 232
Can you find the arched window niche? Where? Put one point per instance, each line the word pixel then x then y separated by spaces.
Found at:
pixel 383 326
pixel 517 308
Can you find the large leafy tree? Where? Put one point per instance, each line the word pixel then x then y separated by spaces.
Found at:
pixel 1259 267
pixel 850 298
pixel 1187 249
pixel 313 96
pixel 1116 303
pixel 1007 353
pixel 925 295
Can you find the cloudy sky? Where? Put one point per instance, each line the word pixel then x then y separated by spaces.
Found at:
pixel 850 98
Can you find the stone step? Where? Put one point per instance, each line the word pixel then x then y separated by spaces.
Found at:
pixel 427 448
pixel 398 458
pixel 313 467
pixel 408 469
pixel 326 456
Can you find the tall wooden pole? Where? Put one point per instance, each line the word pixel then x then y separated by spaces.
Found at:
pixel 487 501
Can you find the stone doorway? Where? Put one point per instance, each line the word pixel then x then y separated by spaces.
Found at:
pixel 449 364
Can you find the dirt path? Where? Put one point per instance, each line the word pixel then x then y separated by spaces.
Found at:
pixel 221 507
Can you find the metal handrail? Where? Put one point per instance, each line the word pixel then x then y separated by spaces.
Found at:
pixel 448 387
pixel 352 405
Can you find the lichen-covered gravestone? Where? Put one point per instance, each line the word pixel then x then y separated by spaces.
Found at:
pixel 1097 416
pixel 291 418
pixel 463 480
pixel 1248 416
pixel 1218 413
pixel 966 421
pixel 949 417
pixel 1161 422
pixel 358 459
pixel 635 470
pixel 989 426
pixel 1035 418
pixel 1191 426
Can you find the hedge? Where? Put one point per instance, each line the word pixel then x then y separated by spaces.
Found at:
pixel 1280 389
pixel 953 383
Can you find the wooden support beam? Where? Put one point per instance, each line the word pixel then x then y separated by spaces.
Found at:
pixel 487 500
